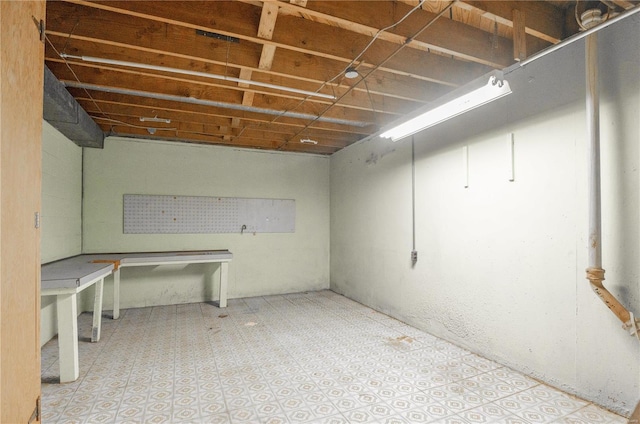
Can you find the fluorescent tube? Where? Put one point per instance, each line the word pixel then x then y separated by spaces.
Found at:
pixel 492 90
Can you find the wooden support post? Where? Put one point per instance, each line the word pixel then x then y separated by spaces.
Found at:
pixel 519 36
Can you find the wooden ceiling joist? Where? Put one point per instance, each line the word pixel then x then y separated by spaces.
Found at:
pixel 244 73
pixel 444 35
pixel 71 26
pixel 543 19
pixel 253 118
pixel 203 90
pixel 311 38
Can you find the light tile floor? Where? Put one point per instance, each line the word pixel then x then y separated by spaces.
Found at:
pixel 311 357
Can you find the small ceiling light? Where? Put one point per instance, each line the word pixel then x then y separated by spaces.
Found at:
pixel 351 72
pixel 151 130
pixel 155 119
pixel 308 141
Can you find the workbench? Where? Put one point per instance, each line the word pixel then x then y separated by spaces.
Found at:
pixel 68 277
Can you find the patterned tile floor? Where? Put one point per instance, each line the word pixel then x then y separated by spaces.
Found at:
pixel 312 357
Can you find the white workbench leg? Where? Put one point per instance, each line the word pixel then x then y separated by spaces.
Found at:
pixel 97 311
pixel 68 337
pixel 224 272
pixel 116 294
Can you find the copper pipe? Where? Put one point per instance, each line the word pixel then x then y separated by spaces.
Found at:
pixel 596 276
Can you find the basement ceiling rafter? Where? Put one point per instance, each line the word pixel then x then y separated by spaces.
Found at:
pixel 407 53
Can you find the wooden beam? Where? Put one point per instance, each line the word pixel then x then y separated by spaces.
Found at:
pixel 266 58
pixel 245 74
pixel 519 36
pixel 97 35
pixel 544 20
pixel 444 35
pixel 225 131
pixel 624 4
pixel 359 99
pixel 309 38
pixel 205 126
pixel 121 109
pixel 247 98
pixel 268 20
pixel 209 111
pixel 195 136
pixel 265 30
pixel 307 148
pixel 162 84
pixel 184 136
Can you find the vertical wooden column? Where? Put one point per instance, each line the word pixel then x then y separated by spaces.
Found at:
pixel 519 36
pixel 21 92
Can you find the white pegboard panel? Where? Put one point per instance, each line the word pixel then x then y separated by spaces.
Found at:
pixel 154 214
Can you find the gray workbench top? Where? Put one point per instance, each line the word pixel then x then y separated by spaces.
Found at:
pixel 72 273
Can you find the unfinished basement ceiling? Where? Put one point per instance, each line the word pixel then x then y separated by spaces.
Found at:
pixel 253 68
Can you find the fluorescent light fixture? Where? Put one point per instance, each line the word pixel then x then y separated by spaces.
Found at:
pixel 155 119
pixel 452 105
pixel 196 74
pixel 308 141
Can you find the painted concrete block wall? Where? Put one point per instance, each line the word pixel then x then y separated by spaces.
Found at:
pixel 501 264
pixel 264 263
pixel 61 215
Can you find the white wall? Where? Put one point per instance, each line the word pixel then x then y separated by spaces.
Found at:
pixel 501 264
pixel 61 215
pixel 264 263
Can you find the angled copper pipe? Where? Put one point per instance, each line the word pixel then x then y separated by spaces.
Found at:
pixel 595 277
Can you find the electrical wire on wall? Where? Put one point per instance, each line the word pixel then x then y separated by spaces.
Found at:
pixel 414 252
